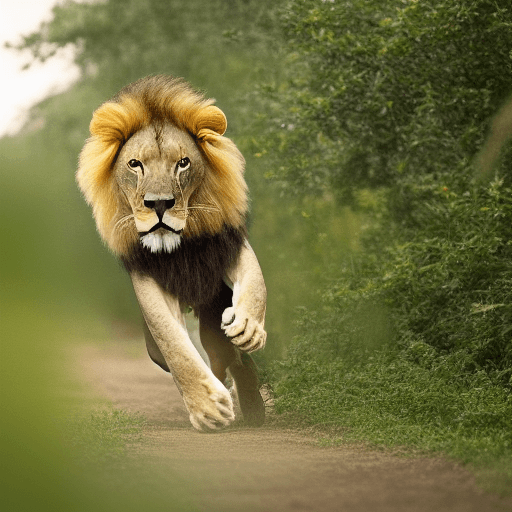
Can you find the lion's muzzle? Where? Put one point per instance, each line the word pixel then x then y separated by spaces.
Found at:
pixel 159 205
pixel 163 233
pixel 163 226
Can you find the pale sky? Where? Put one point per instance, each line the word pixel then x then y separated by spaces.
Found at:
pixel 22 89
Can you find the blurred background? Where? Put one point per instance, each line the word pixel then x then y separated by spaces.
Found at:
pixel 386 260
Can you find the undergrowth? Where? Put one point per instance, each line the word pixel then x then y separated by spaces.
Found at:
pixel 382 108
pixel 411 345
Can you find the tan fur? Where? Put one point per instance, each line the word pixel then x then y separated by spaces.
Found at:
pixel 136 107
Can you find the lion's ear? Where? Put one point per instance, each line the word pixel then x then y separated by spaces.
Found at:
pixel 210 119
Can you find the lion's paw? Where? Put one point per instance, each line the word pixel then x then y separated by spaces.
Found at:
pixel 210 407
pixel 245 331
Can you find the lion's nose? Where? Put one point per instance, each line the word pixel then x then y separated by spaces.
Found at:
pixel 160 205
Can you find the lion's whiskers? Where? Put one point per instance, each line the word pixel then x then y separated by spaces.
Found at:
pixel 123 220
pixel 198 207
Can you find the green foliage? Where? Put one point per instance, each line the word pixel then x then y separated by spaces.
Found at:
pixel 411 346
pixel 383 105
pixel 451 279
pixel 379 91
pixel 119 41
pixel 300 246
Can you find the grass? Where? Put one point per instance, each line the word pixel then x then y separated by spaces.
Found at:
pixel 390 402
pixel 105 435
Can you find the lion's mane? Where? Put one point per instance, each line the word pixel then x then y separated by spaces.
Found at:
pixel 152 100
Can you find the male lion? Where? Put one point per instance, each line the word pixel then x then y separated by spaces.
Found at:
pixel 169 199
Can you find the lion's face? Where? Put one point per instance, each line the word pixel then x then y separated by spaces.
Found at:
pixel 158 170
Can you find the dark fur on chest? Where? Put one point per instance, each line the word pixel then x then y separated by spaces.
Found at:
pixel 194 271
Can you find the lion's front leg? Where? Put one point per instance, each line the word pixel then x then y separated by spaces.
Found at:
pixel 244 322
pixel 208 402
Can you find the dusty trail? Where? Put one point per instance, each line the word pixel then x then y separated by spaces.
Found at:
pixel 270 469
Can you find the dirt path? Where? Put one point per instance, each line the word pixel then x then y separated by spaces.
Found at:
pixel 267 469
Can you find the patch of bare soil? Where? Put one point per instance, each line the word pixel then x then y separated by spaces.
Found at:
pixel 269 469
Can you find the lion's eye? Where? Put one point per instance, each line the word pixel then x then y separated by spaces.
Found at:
pixel 183 164
pixel 133 163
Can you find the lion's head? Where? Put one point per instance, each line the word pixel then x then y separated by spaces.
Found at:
pixel 157 167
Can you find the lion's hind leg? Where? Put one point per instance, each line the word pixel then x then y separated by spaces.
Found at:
pixel 225 356
pixel 245 375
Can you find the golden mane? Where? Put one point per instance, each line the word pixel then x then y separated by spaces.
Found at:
pixel 138 105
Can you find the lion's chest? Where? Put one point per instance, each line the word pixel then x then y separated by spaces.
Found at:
pixel 193 272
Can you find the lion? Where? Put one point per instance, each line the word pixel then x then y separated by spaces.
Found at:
pixel 169 199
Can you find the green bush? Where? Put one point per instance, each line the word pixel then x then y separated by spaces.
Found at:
pixel 387 108
pixel 383 106
pixel 411 346
pixel 380 91
pixel 451 279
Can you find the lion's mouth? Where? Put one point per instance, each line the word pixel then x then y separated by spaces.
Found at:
pixel 160 225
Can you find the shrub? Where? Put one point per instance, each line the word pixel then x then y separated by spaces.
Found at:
pixel 381 91
pixel 386 106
